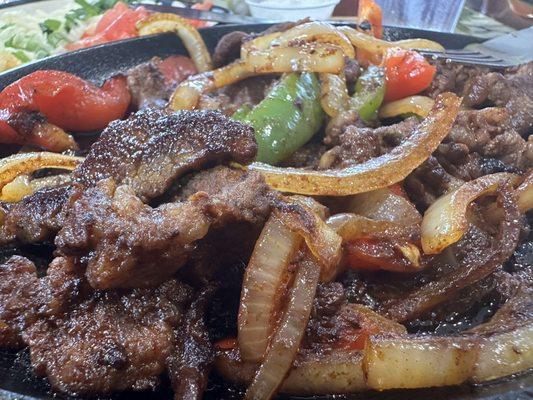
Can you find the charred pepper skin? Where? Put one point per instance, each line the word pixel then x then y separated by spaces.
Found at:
pixel 287 118
pixel 369 93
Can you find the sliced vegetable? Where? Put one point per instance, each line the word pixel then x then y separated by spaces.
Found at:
pixel 311 57
pixel 369 10
pixel 188 93
pixel 332 372
pixel 377 46
pixel 418 105
pixel 353 226
pixel 265 279
pixel 287 118
pixel 23 186
pixel 315 31
pixel 407 73
pixel 471 271
pixel 445 221
pixel 369 93
pixel 26 163
pixel 242 112
pixel 333 93
pixel 412 362
pixel 66 100
pixel 192 40
pixel 524 193
pixel 118 23
pixel 286 340
pixel 377 172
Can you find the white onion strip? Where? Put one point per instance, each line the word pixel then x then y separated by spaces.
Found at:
pixel 286 340
pixel 263 281
pixel 445 221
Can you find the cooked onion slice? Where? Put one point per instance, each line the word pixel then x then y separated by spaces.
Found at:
pixel 445 221
pixel 312 57
pixel 353 226
pixel 26 163
pixel 507 345
pixel 377 172
pixel 335 372
pixel 374 45
pixel 188 93
pixel 23 186
pixel 392 362
pixel 471 271
pixel 265 279
pixel 315 32
pixel 287 338
pixel 333 93
pixel 322 241
pixel 419 105
pixel 384 204
pixel 192 40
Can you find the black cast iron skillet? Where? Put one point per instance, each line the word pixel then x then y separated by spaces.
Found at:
pixel 97 64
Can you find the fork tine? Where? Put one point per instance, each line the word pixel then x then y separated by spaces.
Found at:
pixel 486 62
pixel 455 52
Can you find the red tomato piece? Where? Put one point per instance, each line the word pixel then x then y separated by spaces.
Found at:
pixel 406 73
pixel 118 23
pixel 68 101
pixel 176 68
pixel 369 10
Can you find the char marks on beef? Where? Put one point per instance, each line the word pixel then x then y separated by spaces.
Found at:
pixel 35 218
pixel 190 363
pixel 19 286
pixel 147 85
pixel 152 148
pixel 127 243
pixel 109 341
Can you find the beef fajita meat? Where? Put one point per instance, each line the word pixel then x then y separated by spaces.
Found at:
pixel 512 90
pixel 358 144
pixel 19 286
pixel 147 85
pixel 24 297
pixel 35 218
pixel 148 151
pixel 109 341
pixel 127 243
pixel 190 363
pixel 152 148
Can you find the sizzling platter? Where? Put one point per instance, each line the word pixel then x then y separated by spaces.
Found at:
pixel 348 323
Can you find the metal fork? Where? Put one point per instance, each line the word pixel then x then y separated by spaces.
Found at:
pixel 501 52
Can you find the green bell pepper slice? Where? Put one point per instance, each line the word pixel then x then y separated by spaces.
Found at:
pixel 287 118
pixel 369 93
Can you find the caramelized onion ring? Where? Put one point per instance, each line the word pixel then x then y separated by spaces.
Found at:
pixel 312 57
pixel 188 93
pixel 433 293
pixel 524 193
pixel 445 221
pixel 377 172
pixel 419 105
pixel 264 281
pixel 26 163
pixel 333 93
pixel 192 40
pixel 286 340
pixel 23 186
pixel 315 31
pixel 374 45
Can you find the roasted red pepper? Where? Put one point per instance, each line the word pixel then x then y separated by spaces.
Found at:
pixel 406 73
pixel 370 11
pixel 66 100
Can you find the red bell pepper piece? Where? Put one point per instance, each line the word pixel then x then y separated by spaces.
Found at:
pixel 406 73
pixel 65 100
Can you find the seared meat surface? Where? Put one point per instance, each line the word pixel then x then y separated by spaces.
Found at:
pixel 147 85
pixel 19 286
pixel 191 361
pixel 127 243
pixel 152 148
pixel 109 341
pixel 36 217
